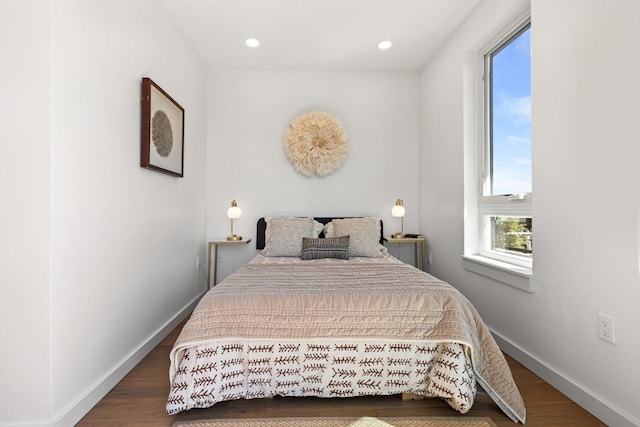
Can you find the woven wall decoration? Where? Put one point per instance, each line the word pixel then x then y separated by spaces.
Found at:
pixel 316 144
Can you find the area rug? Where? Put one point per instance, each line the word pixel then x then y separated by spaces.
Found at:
pixel 344 422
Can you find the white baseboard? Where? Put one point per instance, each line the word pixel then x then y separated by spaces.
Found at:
pixel 75 412
pixel 600 409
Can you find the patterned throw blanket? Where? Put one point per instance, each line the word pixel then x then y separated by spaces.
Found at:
pixel 339 328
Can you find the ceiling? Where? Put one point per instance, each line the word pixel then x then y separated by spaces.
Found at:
pixel 318 34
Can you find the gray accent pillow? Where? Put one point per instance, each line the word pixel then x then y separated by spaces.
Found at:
pixel 334 247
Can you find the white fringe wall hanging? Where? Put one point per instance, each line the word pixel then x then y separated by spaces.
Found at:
pixel 316 144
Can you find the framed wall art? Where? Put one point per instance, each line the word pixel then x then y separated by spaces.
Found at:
pixel 162 140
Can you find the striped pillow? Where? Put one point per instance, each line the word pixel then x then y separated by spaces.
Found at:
pixel 334 247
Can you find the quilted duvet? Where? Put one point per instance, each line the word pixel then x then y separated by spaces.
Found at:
pixel 336 328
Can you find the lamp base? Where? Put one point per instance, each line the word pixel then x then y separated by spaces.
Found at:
pixel 234 238
pixel 397 236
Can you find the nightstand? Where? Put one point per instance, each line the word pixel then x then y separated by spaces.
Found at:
pixel 418 245
pixel 215 243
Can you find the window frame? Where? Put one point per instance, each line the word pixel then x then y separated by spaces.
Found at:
pixel 501 205
pixel 510 268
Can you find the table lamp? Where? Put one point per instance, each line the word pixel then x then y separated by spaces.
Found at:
pixel 398 212
pixel 233 212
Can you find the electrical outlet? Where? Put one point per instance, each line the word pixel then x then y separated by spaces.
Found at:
pixel 429 259
pixel 198 263
pixel 606 328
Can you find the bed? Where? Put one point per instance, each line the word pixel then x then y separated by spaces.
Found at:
pixel 324 310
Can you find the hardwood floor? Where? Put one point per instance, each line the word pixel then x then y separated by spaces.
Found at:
pixel 139 400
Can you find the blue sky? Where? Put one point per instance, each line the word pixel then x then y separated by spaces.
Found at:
pixel 512 117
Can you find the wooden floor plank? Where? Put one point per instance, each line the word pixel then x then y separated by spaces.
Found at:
pixel 139 401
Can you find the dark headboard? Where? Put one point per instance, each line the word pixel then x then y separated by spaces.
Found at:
pixel 262 227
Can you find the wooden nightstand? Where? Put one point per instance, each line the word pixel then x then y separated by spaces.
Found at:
pixel 419 246
pixel 215 243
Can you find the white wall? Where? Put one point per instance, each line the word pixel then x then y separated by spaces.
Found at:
pixel 25 309
pixel 115 262
pixel 586 103
pixel 249 112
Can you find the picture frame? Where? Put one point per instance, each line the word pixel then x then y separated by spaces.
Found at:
pixel 162 136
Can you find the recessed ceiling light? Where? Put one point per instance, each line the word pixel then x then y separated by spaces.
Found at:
pixel 384 45
pixel 252 42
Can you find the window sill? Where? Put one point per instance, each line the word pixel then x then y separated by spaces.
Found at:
pixel 509 274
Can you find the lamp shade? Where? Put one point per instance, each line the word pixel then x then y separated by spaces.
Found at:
pixel 398 209
pixel 234 211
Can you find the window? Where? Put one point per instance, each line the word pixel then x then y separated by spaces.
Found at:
pixel 499 224
pixel 504 202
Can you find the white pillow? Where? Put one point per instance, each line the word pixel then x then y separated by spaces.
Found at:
pixel 317 228
pixel 364 235
pixel 283 236
pixel 328 230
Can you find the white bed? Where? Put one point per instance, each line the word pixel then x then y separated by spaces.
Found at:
pixel 333 327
